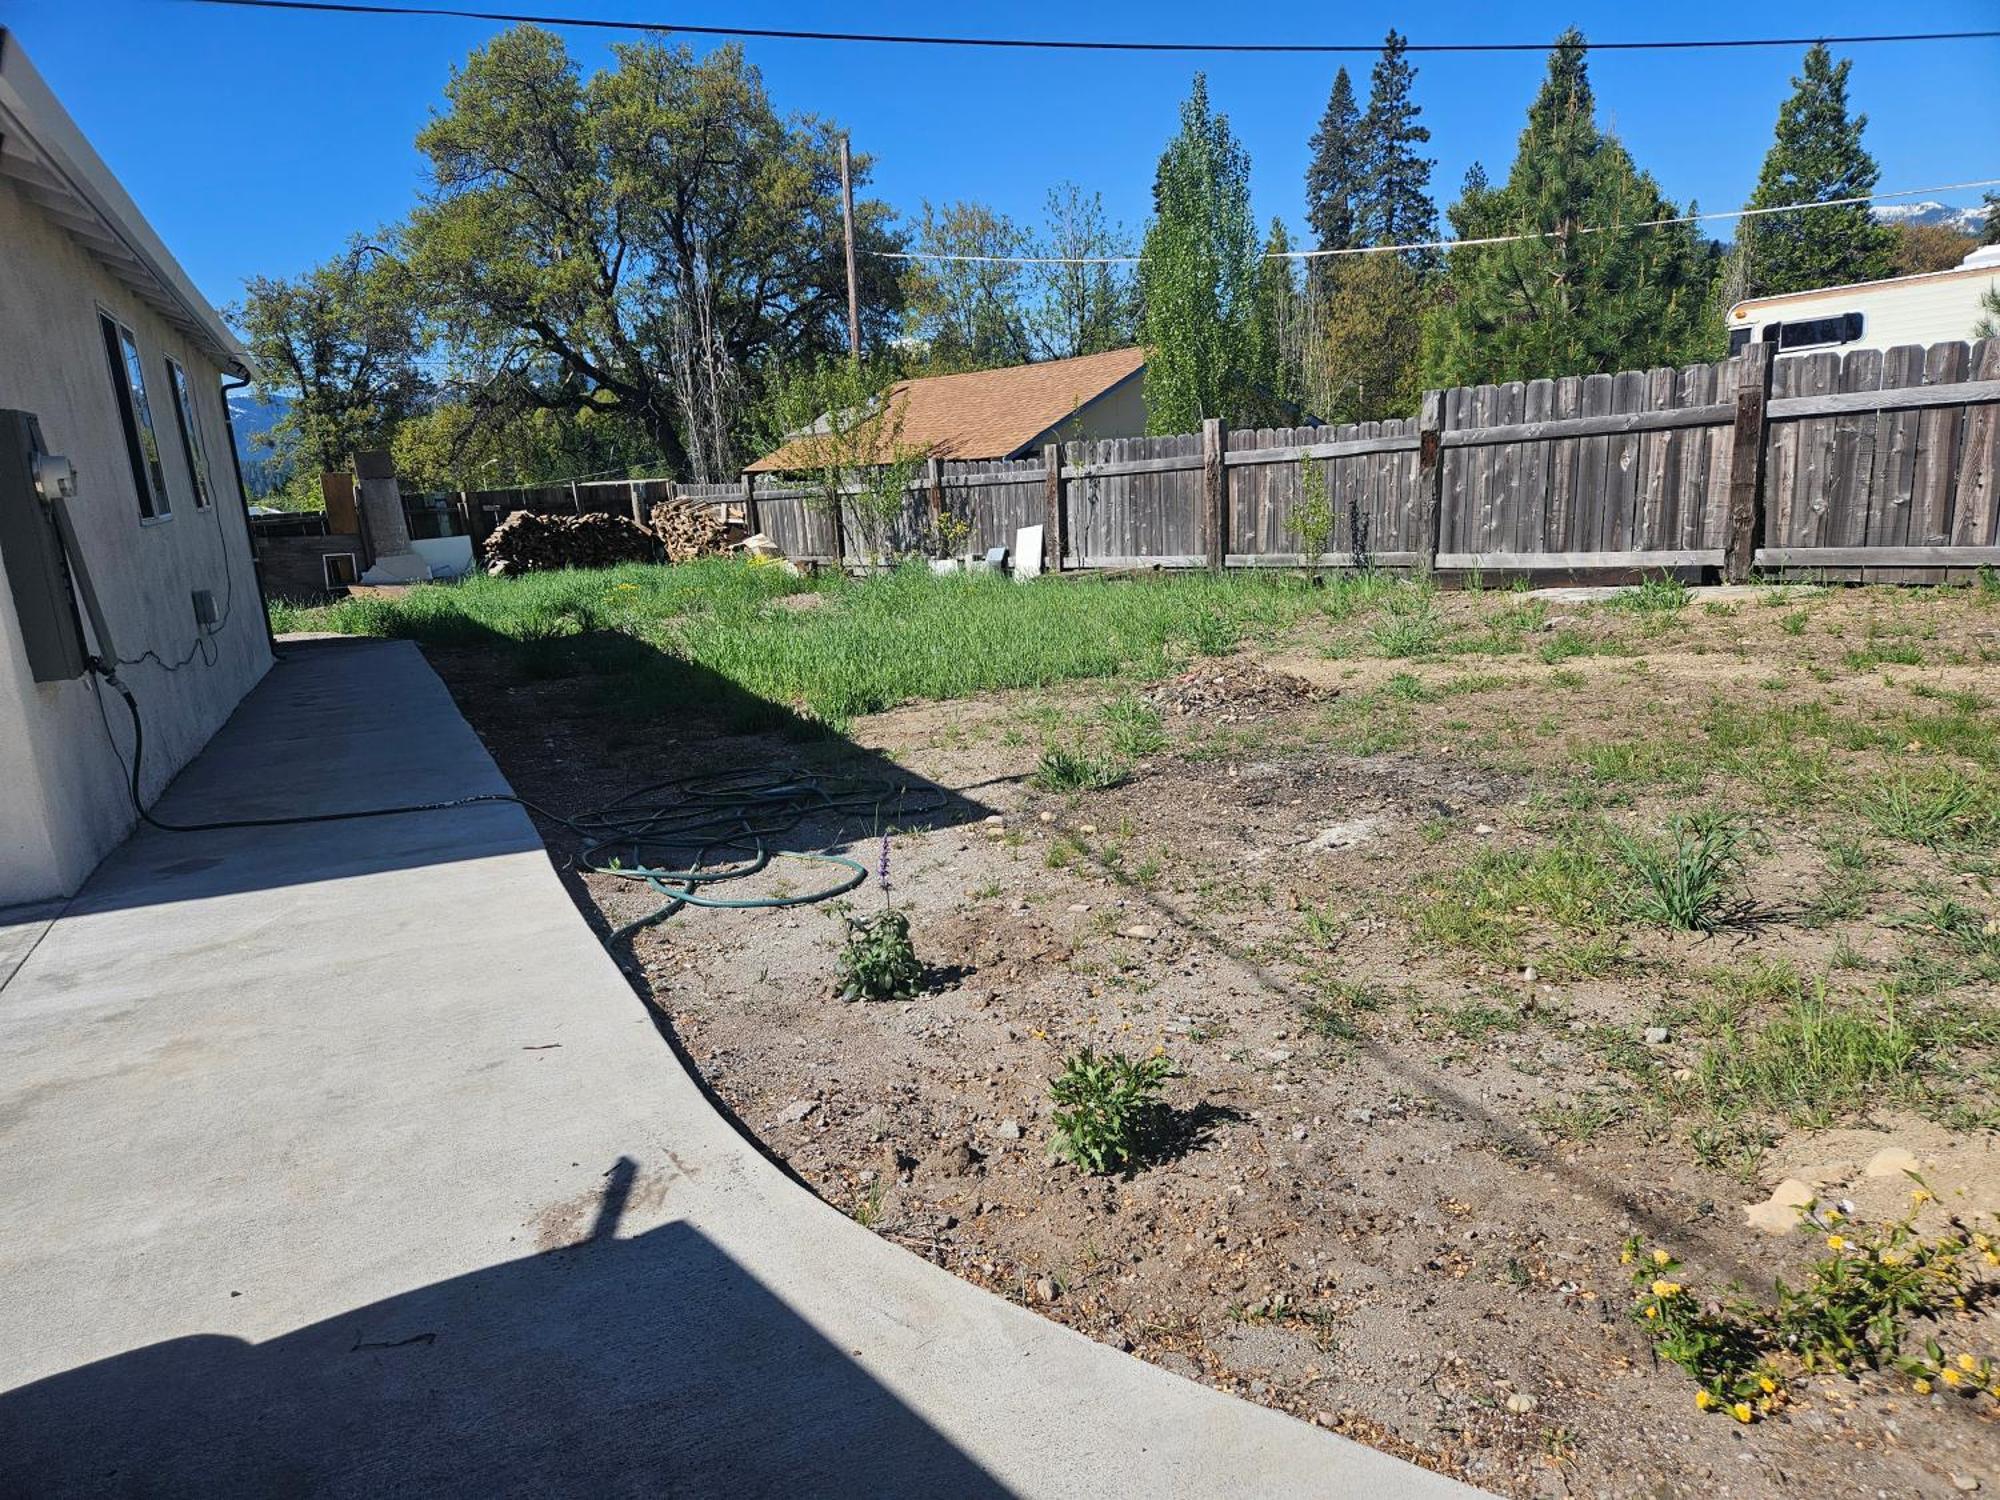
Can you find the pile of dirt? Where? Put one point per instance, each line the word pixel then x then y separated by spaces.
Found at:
pixel 527 543
pixel 1233 692
pixel 690 531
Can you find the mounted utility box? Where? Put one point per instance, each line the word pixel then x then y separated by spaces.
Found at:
pixel 32 555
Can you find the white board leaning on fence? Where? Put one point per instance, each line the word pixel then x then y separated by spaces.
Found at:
pixel 1028 552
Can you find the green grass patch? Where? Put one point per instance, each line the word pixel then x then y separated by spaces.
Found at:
pixel 869 644
pixel 1557 906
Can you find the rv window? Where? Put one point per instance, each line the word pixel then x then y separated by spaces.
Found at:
pixel 1739 340
pixel 1808 332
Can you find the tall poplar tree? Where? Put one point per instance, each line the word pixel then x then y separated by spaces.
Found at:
pixel 1816 155
pixel 1198 274
pixel 1585 292
pixel 1275 365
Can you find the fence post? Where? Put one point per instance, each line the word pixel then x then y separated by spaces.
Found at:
pixel 1055 519
pixel 1746 463
pixel 1430 480
pixel 934 495
pixel 750 504
pixel 839 530
pixel 638 506
pixel 1215 491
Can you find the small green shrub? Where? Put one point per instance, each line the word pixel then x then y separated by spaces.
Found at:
pixel 1106 1108
pixel 879 962
pixel 1063 768
pixel 1688 880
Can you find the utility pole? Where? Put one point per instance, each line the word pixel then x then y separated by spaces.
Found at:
pixel 847 225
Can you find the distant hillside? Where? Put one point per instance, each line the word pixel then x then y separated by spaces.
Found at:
pixel 1963 220
pixel 249 416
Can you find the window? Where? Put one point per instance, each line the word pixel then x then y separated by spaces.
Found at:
pixel 1739 340
pixel 190 426
pixel 339 569
pixel 142 444
pixel 1809 333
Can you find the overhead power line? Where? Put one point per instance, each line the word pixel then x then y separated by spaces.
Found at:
pixel 1066 44
pixel 1497 239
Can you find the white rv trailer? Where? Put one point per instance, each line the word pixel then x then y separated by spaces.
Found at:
pixel 1932 308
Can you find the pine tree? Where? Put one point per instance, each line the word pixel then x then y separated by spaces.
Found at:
pixel 1585 293
pixel 1393 199
pixel 1989 232
pixel 1197 274
pixel 1332 175
pixel 1817 154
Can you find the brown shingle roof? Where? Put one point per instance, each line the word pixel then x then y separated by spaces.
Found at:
pixel 989 413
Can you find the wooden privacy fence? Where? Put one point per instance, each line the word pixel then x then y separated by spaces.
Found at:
pixel 1870 464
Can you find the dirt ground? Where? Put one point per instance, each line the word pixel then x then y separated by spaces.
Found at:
pixel 1403 1167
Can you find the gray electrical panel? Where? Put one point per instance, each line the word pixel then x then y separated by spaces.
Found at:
pixel 32 555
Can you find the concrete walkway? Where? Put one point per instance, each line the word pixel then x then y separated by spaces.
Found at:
pixel 341 1160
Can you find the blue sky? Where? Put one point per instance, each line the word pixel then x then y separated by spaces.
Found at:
pixel 256 141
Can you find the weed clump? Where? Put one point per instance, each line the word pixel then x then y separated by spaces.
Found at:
pixel 1855 1311
pixel 879 962
pixel 1065 768
pixel 1689 880
pixel 1106 1108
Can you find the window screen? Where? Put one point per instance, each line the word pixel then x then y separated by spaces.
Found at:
pixel 135 414
pixel 190 426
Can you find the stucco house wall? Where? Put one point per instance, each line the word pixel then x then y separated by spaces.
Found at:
pixel 65 803
pixel 1118 413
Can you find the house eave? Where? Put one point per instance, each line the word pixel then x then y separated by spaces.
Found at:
pixel 44 154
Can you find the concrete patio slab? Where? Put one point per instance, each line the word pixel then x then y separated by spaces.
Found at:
pixel 341 1160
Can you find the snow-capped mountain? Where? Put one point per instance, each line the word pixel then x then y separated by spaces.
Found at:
pixel 1963 220
pixel 248 417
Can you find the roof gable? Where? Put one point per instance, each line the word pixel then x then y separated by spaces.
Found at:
pixel 989 413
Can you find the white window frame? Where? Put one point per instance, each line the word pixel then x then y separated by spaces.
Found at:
pixel 326 573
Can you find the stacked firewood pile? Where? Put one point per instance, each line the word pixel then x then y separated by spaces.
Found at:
pixel 528 543
pixel 691 531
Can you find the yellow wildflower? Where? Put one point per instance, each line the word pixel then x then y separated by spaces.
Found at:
pixel 1949 1377
pixel 1703 1400
pixel 1835 1242
pixel 1967 1362
pixel 1920 1196
pixel 1660 1257
pixel 1768 1385
pixel 1741 1411
pixel 1652 1312
pixel 1834 1216
pixel 1665 1288
pixel 1624 1257
pixel 1923 1387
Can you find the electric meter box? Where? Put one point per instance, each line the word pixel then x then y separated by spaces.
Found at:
pixel 32 554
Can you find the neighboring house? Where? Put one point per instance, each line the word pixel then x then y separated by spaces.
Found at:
pixel 1933 307
pixel 1012 412
pixel 105 341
